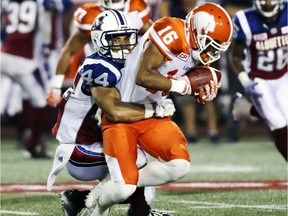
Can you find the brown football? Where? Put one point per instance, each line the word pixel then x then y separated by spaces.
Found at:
pixel 201 76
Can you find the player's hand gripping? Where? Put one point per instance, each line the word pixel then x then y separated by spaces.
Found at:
pixel 164 108
pixel 208 92
pixel 159 109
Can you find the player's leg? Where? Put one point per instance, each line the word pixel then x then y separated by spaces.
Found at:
pixel 34 87
pixel 273 109
pixel 6 91
pixel 120 147
pixel 165 141
pixel 84 163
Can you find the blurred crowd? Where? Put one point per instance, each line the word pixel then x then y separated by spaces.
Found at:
pixel 23 103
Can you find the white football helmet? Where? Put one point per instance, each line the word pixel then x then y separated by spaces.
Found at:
pixel 113 4
pixel 270 8
pixel 108 25
pixel 209 30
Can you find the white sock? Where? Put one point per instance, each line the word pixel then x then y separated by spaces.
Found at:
pixel 114 193
pixel 158 173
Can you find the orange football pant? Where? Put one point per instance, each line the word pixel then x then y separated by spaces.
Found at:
pixel 159 137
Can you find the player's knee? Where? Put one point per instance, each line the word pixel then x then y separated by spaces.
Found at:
pixel 178 168
pixel 123 192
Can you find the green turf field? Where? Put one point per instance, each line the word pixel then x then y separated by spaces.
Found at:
pixel 251 159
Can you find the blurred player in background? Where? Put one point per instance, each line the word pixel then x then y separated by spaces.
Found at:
pixel 25 68
pixel 259 55
pixel 138 11
pixel 169 49
pixel 81 149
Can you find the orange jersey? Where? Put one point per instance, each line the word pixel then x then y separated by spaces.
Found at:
pixel 85 15
pixel 168 34
pixel 137 10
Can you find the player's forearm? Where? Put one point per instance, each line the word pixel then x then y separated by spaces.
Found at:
pixel 116 110
pixel 153 80
pixel 125 112
pixel 63 62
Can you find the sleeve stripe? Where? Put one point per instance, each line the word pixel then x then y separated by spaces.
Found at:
pixel 161 44
pixel 85 27
pixel 245 27
pixel 90 61
pixel 144 12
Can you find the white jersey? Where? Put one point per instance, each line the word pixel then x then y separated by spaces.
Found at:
pixel 76 123
pixel 169 36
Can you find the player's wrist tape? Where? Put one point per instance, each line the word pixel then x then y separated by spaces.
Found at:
pixel 149 110
pixel 178 86
pixel 57 81
pixel 244 78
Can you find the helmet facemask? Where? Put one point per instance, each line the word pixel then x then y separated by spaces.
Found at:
pixel 106 28
pixel 209 50
pixel 208 32
pixel 113 4
pixel 268 10
pixel 117 52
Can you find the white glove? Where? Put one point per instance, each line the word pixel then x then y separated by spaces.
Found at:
pixel 249 85
pixel 160 109
pixel 181 86
pixel 164 108
pixel 54 96
pixel 98 116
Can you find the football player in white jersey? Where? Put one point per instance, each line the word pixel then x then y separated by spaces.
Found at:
pixel 155 67
pixel 137 10
pixel 259 57
pixel 81 149
pixel 29 45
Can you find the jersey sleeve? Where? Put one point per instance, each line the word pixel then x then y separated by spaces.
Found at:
pixel 85 15
pixel 238 33
pixel 169 36
pixel 139 13
pixel 98 72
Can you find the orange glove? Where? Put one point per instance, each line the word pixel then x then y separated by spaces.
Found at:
pixel 53 97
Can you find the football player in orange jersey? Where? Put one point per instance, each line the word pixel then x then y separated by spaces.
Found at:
pixel 155 67
pixel 138 12
pixel 86 162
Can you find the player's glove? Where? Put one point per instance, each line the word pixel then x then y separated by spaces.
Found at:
pixel 164 108
pixel 53 97
pixel 54 94
pixel 181 86
pixel 160 109
pixel 249 85
pixel 208 92
pixel 98 116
